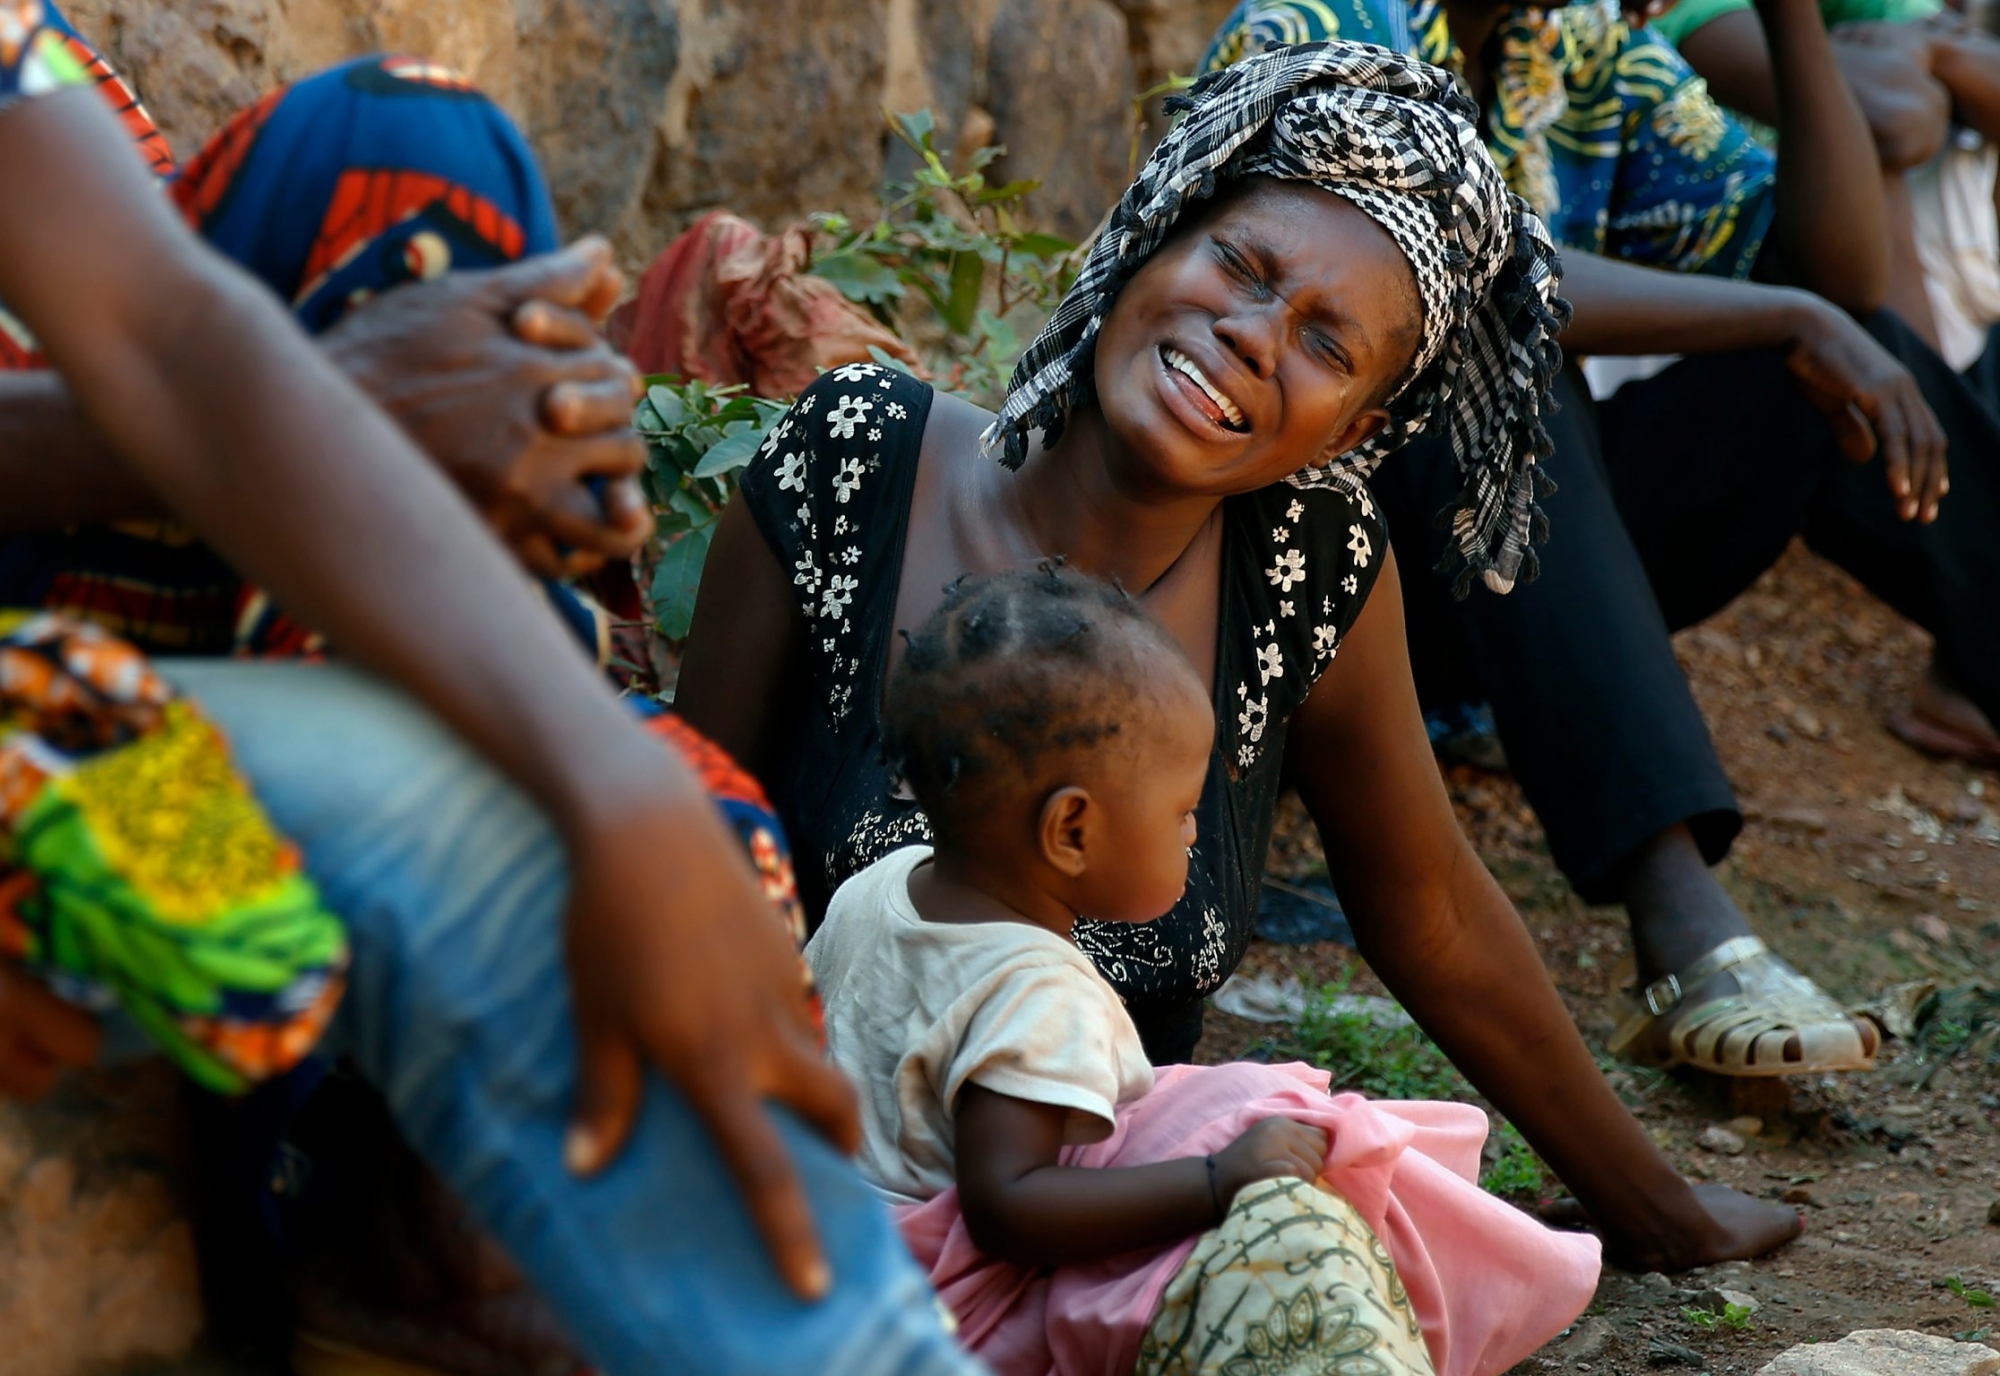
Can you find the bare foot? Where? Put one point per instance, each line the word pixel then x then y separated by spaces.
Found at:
pixel 1941 720
pixel 1721 1224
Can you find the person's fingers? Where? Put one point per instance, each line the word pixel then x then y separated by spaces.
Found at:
pixel 1851 431
pixel 610 1082
pixel 538 554
pixel 605 291
pixel 823 1098
pixel 550 326
pixel 626 509
pixel 1892 434
pixel 1933 449
pixel 570 276
pixel 755 1155
pixel 589 406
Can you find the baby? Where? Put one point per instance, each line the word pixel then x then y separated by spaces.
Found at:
pixel 1078 1211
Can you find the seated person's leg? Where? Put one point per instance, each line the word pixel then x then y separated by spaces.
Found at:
pixel 1709 513
pixel 459 1012
pixel 1598 721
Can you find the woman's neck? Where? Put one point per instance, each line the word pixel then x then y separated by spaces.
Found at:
pixel 1078 500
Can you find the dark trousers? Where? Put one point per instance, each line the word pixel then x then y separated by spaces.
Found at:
pixel 1675 494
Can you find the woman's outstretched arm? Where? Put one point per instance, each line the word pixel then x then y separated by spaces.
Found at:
pixel 202 385
pixel 1437 929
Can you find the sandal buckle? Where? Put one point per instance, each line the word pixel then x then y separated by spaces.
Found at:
pixel 1662 996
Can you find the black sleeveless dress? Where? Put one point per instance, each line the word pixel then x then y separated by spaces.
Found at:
pixel 830 490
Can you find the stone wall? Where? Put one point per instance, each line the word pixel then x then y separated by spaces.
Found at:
pixel 649 112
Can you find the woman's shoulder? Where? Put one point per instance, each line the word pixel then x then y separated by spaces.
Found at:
pixel 1302 563
pixel 839 462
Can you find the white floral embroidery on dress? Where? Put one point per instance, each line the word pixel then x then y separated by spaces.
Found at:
pixel 848 480
pixel 842 419
pixel 1284 609
pixel 897 411
pixel 1357 543
pixel 1270 664
pixel 839 593
pixel 1325 641
pixel 1256 713
pixel 776 437
pixel 855 372
pixel 792 473
pixel 1350 585
pixel 1290 569
pixel 1294 511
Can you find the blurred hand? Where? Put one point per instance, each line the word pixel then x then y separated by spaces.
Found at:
pixel 1874 406
pixel 1275 1148
pixel 678 963
pixel 502 378
pixel 1724 1225
pixel 40 1037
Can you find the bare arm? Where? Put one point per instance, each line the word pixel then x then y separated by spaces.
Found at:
pixel 1438 930
pixel 1021 1206
pixel 739 672
pixel 1868 397
pixel 1830 227
pixel 211 395
pixel 1908 112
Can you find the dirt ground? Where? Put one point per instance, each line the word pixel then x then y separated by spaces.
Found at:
pixel 1868 866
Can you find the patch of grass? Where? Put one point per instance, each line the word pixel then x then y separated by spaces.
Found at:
pixel 1382 1062
pixel 1738 1318
pixel 1517 1173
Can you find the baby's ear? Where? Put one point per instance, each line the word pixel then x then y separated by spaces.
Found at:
pixel 1069 823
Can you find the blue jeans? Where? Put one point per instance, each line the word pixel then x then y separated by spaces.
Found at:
pixel 453 885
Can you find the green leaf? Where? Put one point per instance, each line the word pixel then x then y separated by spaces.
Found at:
pixel 889 360
pixel 961 307
pixel 676 581
pixel 916 128
pixel 690 505
pixel 733 452
pixel 861 277
pixel 667 401
pixel 1044 246
pixel 1006 191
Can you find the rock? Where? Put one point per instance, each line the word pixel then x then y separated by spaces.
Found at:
pixel 1810 821
pixel 1932 928
pixel 1886 1352
pixel 1660 1352
pixel 1654 1280
pixel 1746 1126
pixel 647 113
pixel 1993 1213
pixel 1720 1140
pixel 1719 1300
pixel 1586 1342
pixel 1797 1194
pixel 1808 724
pixel 1078 146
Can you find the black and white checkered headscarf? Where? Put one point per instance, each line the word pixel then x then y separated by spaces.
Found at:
pixel 1399 140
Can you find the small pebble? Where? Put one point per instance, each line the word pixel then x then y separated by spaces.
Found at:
pixel 1720 1140
pixel 1660 1352
pixel 1797 1194
pixel 1746 1126
pixel 1993 1213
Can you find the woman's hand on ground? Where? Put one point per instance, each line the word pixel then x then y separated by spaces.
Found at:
pixel 1273 1149
pixel 678 962
pixel 1873 404
pixel 1720 1224
pixel 501 377
pixel 41 1037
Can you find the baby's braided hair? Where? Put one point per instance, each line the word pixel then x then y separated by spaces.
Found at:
pixel 1011 674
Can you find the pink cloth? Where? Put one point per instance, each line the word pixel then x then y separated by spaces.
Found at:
pixel 1489 1284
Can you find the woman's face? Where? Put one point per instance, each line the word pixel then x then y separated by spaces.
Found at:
pixel 1260 339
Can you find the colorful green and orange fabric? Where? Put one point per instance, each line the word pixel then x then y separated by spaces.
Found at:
pixel 138 870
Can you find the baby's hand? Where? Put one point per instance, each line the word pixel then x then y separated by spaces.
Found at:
pixel 1273 1149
